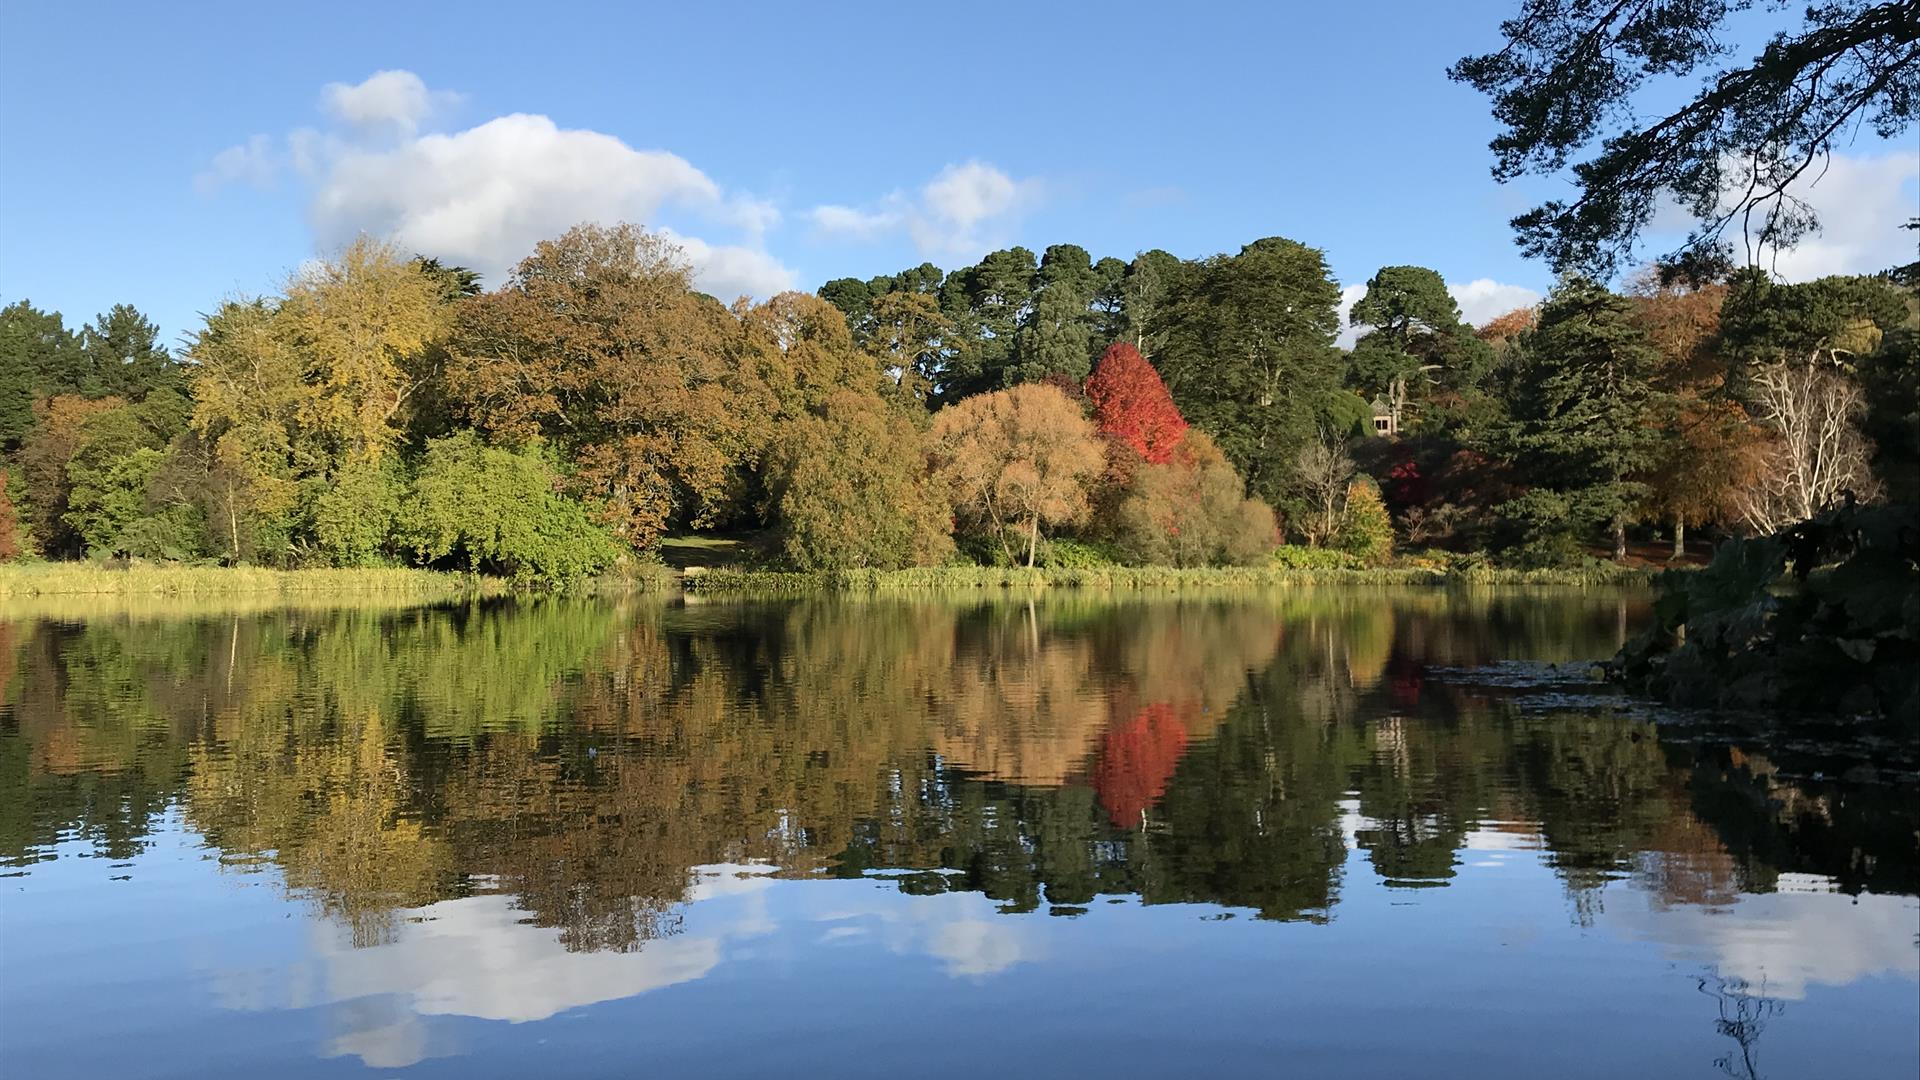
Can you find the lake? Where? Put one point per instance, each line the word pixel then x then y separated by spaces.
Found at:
pixel 1318 833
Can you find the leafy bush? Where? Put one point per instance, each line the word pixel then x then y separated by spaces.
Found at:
pixel 176 534
pixel 1366 532
pixel 483 507
pixel 1301 557
pixel 848 489
pixel 1076 555
pixel 1192 511
pixel 352 517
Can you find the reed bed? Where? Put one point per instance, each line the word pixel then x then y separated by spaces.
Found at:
pixel 96 579
pixel 1138 578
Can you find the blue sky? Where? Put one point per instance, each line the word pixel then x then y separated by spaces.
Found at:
pixel 169 156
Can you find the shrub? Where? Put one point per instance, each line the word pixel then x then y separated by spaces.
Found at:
pixel 352 517
pixel 1191 511
pixel 484 507
pixel 1366 531
pixel 1077 555
pixel 176 534
pixel 847 488
pixel 1299 557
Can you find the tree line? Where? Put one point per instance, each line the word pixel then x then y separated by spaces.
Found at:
pixel 382 409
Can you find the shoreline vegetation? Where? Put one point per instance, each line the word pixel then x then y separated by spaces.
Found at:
pixel 1122 579
pixel 27 580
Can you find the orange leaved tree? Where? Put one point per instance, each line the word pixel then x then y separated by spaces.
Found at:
pixel 1015 460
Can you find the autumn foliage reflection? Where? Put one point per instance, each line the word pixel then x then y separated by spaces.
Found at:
pixel 585 758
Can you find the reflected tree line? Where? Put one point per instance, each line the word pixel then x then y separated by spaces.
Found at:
pixel 585 757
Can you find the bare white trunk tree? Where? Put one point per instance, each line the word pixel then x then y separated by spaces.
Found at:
pixel 1817 454
pixel 1323 469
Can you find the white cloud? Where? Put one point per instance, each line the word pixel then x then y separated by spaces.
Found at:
pixel 1861 202
pixel 483 196
pixel 729 271
pixel 254 163
pixel 1349 333
pixel 385 101
pixel 963 211
pixel 1484 298
pixel 480 956
pixel 854 223
pixel 1786 941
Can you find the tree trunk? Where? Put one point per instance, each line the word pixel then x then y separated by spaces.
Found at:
pixel 1033 539
pixel 1619 539
pixel 1679 538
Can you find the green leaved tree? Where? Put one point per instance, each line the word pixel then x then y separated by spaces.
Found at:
pixel 1580 430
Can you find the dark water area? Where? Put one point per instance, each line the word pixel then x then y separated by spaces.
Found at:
pixel 1325 833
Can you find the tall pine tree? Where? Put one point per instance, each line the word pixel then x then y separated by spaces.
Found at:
pixel 1580 429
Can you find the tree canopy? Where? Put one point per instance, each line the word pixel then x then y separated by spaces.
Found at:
pixel 1575 73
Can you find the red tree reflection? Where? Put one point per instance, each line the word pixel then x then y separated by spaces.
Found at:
pixel 1137 758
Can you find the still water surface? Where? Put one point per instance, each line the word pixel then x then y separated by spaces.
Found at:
pixel 1320 833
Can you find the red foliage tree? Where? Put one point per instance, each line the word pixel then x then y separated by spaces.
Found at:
pixel 1132 405
pixel 1137 758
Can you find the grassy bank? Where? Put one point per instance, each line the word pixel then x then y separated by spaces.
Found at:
pixel 94 579
pixel 28 579
pixel 1130 578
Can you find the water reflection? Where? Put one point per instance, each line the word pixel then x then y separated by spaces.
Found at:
pixel 509 811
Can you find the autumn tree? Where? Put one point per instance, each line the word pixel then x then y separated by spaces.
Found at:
pixel 362 325
pixel 9 520
pixel 1191 509
pixel 600 344
pixel 798 347
pixel 1131 405
pixel 250 394
pixel 914 339
pixel 1705 438
pixel 59 431
pixel 300 396
pixel 1016 460
pixel 848 487
pixel 1366 530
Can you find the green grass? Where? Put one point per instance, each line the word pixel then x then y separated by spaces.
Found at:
pixel 708 551
pixel 1128 578
pixel 95 579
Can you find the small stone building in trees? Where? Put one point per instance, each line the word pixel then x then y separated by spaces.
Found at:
pixel 1385 422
